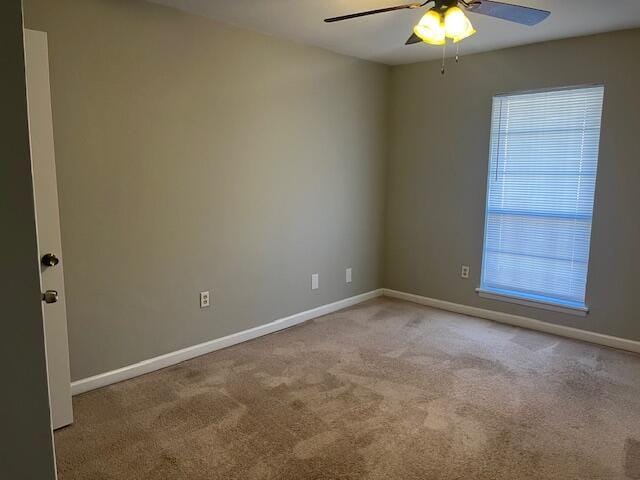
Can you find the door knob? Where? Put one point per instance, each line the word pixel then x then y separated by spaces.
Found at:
pixel 50 260
pixel 50 296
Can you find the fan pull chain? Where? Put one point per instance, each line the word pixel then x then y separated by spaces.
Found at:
pixel 444 51
pixel 457 52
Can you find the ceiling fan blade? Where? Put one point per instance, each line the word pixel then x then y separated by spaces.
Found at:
pixel 372 12
pixel 413 39
pixel 507 11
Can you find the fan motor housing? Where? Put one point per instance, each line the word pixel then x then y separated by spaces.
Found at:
pixel 445 4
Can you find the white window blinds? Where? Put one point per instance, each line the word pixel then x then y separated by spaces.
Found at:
pixel 542 175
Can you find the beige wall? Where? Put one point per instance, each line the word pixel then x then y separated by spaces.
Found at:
pixel 439 147
pixel 26 447
pixel 194 156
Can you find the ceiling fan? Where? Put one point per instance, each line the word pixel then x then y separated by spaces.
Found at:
pixel 445 19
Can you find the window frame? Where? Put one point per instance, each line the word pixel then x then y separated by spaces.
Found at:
pixel 512 297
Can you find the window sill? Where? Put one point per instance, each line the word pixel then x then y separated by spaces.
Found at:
pixel 578 311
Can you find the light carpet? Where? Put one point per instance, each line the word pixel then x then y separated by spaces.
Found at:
pixel 384 390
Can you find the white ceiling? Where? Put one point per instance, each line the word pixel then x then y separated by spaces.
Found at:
pixel 381 37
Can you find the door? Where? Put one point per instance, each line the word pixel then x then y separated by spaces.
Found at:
pixel 48 226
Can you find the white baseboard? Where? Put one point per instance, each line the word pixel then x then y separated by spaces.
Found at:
pixel 173 358
pixel 153 364
pixel 519 321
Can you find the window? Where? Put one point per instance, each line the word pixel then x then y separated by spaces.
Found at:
pixel 540 192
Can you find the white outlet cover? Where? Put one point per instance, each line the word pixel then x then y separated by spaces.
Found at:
pixel 464 271
pixel 348 275
pixel 315 281
pixel 205 299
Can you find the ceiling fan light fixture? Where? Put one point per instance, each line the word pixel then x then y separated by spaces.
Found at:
pixel 456 24
pixel 447 20
pixel 430 29
pixel 469 30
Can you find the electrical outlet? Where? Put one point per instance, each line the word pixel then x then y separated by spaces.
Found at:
pixel 348 275
pixel 315 281
pixel 205 300
pixel 464 271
